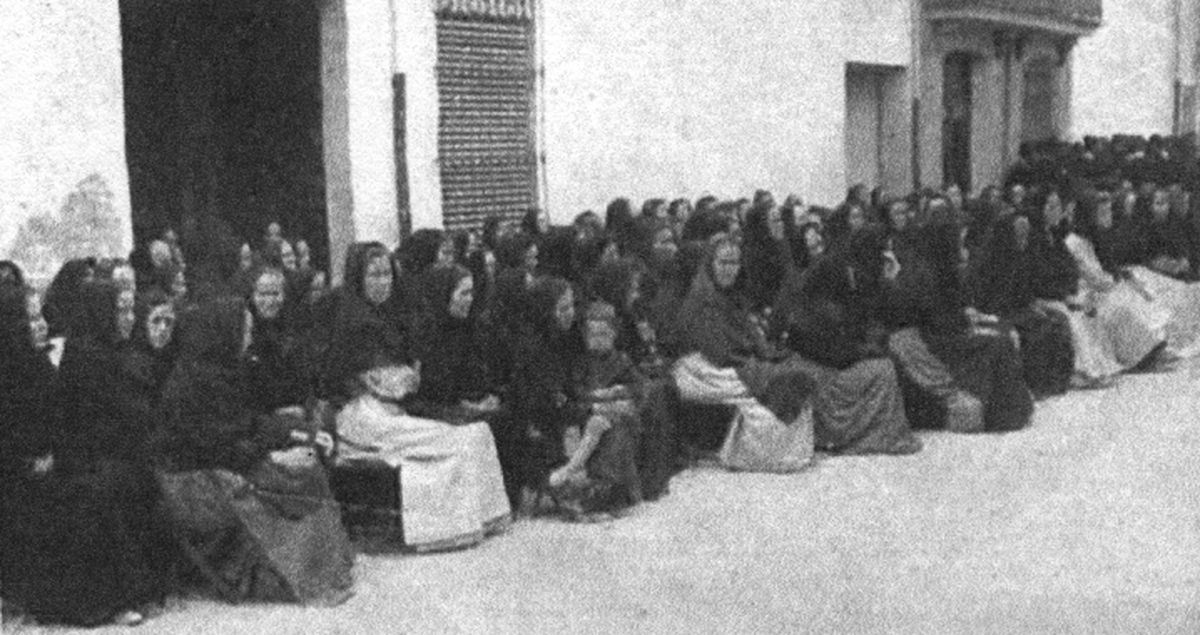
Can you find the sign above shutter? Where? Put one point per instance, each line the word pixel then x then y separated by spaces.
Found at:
pixel 494 9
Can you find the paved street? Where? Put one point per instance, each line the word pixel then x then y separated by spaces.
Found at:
pixel 1085 522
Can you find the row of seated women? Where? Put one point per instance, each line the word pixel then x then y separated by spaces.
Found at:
pixel 570 364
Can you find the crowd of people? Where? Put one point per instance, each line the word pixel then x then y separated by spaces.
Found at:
pixel 169 425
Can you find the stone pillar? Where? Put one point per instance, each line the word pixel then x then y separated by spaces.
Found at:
pixel 64 184
pixel 360 168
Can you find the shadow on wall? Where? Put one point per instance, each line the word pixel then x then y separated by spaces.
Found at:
pixel 87 225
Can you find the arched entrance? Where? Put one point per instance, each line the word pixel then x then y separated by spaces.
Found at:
pixel 957 103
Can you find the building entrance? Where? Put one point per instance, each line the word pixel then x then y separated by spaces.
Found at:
pixel 223 104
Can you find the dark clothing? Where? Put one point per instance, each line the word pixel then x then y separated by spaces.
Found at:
pixel 78 547
pixel 107 409
pixel 209 413
pixel 365 336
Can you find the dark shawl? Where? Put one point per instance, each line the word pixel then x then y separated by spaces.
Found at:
pixel 107 408
pixel 209 415
pixel 834 317
pixel 29 414
pixel 365 335
pixel 61 304
pixel 452 368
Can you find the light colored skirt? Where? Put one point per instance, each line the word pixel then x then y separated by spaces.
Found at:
pixel 758 440
pixel 1094 354
pixel 451 487
pixel 1181 301
pixel 1135 325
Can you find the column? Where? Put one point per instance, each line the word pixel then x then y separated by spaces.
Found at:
pixel 360 169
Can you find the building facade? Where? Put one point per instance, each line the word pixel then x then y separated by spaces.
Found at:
pixel 355 120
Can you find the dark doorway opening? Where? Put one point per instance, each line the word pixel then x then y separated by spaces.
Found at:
pixel 957 103
pixel 223 118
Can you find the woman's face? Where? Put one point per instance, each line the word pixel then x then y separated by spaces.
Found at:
pixel 610 253
pixel 775 223
pixel 1021 233
pixel 124 278
pixel 564 310
pixel 601 337
pixel 1052 211
pixel 1104 214
pixel 268 295
pixel 664 243
pixel 857 218
pixel 1160 208
pixel 461 298
pixel 445 256
pixel 489 263
pixel 898 216
pixel 377 280
pixel 160 326
pixel 125 315
pixel 1016 195
pixel 245 257
pixel 634 294
pixel 531 258
pixel 727 263
pixel 287 256
pixel 39 331
pixel 247 330
pixel 814 242
pixel 179 287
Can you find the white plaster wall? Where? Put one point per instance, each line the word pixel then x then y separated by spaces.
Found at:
pixel 416 57
pixel 1123 72
pixel 681 98
pixel 61 111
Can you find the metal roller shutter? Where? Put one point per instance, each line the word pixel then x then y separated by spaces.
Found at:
pixel 487 144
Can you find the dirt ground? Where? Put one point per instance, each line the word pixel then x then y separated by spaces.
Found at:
pixel 1087 522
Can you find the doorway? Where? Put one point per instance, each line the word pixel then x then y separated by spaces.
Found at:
pixel 224 118
pixel 1040 92
pixel 957 103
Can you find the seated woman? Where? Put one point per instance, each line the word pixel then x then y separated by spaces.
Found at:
pixel 451 488
pixel 619 285
pixel 832 321
pixel 245 489
pixel 455 385
pixel 1135 325
pixel 564 441
pixel 82 539
pixel 1054 280
pixel 1002 286
pixel 976 350
pixel 727 360
pixel 1159 265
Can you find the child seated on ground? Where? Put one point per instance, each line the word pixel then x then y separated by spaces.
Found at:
pixel 602 452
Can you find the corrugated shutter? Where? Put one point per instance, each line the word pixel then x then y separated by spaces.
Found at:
pixel 486 138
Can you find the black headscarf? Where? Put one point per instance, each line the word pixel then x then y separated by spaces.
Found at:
pixel 28 403
pixel 365 335
pixel 209 418
pixel 61 305
pixel 107 409
pixel 451 359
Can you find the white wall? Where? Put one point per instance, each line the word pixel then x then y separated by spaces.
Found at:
pixel 680 98
pixel 62 116
pixel 1123 72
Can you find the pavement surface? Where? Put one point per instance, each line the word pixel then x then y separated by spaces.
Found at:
pixel 1086 522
